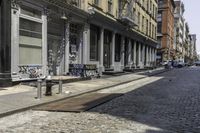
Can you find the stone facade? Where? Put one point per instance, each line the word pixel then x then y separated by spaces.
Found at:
pixel 47 36
pixel 166 28
pixel 179 29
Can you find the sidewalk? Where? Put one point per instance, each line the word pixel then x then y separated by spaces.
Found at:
pixel 21 97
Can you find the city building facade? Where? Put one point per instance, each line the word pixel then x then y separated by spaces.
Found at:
pixel 179 29
pixel 193 53
pixel 166 49
pixel 184 42
pixel 186 45
pixel 48 37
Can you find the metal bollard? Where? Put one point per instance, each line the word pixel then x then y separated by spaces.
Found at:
pixel 60 87
pixel 39 89
pixel 49 85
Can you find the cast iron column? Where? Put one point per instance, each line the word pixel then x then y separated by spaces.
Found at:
pixel 5 42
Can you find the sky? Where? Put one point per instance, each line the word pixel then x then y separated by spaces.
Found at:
pixel 192 16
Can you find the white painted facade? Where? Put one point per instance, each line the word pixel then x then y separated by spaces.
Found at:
pixel 56 55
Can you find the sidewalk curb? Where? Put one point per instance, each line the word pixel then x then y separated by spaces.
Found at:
pixel 74 95
pixel 159 72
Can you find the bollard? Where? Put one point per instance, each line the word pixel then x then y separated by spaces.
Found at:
pixel 39 89
pixel 48 88
pixel 49 84
pixel 60 87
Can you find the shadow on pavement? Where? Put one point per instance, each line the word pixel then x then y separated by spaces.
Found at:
pixel 154 131
pixel 171 104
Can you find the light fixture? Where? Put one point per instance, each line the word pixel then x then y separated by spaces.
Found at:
pixel 63 17
pixel 91 10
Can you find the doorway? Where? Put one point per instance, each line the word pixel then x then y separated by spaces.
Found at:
pixel 75 44
pixel 107 49
pixel 56 44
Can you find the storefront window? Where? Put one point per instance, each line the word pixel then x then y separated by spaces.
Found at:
pixel 56 43
pixel 74 40
pixel 30 40
pixel 30 28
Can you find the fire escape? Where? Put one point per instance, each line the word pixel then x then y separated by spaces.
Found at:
pixel 62 3
pixel 127 14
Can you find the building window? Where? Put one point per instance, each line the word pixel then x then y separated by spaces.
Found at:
pixel 150 7
pixel 156 12
pixel 139 20
pixel 30 37
pixel 159 43
pixel 118 41
pixel 153 12
pixel 147 27
pixel 159 17
pixel 150 29
pixel 143 26
pixel 76 3
pixel 110 6
pixel 155 32
pixel 94 43
pixel 96 2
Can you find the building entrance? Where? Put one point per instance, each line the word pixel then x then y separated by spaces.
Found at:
pixel 75 46
pixel 56 44
pixel 107 49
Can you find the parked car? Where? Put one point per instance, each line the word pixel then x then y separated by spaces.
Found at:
pixel 197 63
pixel 167 63
pixel 180 64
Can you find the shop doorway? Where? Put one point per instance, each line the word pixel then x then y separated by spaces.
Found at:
pixel 75 44
pixel 56 44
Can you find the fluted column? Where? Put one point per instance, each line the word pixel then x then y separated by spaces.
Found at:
pixel 101 66
pixel 129 53
pixel 122 51
pixel 147 56
pixel 150 55
pixel 134 52
pixel 143 55
pixel 86 42
pixel 139 54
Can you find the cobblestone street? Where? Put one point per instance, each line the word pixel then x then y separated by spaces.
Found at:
pixel 168 105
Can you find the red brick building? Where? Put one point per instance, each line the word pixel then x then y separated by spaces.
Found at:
pixel 166 49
